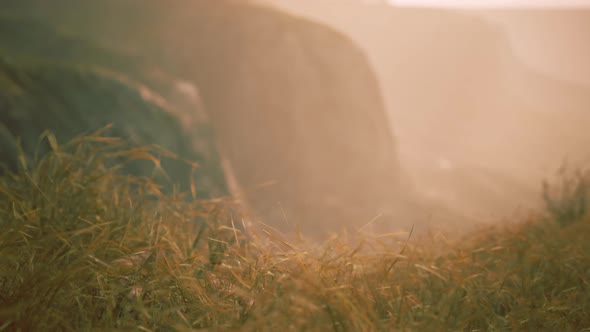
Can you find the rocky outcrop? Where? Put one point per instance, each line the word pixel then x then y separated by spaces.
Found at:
pixel 295 105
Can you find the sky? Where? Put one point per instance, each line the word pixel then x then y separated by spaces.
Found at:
pixel 493 3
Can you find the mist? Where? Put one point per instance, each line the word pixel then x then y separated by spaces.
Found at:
pixel 484 104
pixel 489 3
pixel 328 114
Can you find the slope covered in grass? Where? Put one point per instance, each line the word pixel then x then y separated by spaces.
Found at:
pixel 71 99
pixel 31 38
pixel 83 248
pixel 52 80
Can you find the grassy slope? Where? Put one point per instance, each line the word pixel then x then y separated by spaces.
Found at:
pixel 30 38
pixel 81 250
pixel 83 247
pixel 50 80
pixel 73 100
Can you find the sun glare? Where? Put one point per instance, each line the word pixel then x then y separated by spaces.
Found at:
pixel 491 3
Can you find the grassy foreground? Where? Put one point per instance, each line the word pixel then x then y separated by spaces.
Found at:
pixel 85 248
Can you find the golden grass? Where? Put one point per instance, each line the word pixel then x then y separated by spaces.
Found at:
pixel 83 247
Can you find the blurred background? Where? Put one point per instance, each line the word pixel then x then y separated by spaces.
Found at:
pixel 486 98
pixel 426 112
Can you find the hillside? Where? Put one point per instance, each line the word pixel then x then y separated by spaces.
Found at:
pixel 52 81
pixel 122 127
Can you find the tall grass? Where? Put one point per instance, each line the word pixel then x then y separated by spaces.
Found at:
pixel 567 202
pixel 84 247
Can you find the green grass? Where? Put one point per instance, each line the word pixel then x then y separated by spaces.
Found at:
pixel 70 99
pixel 85 248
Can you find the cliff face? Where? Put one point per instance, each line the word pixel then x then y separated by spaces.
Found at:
pixel 292 102
pixel 296 104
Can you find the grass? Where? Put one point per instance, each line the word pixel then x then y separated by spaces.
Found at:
pixel 68 98
pixel 84 247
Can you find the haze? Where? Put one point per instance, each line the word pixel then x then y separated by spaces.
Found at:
pixel 492 3
pixel 363 109
pixel 485 104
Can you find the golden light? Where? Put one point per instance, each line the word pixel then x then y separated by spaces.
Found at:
pixel 492 3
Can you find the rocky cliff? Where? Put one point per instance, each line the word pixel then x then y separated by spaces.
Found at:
pixel 296 108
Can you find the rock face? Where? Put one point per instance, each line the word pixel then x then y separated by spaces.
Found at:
pixel 292 102
pixel 297 104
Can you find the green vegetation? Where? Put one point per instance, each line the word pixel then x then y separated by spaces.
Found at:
pixel 567 203
pixel 85 248
pixel 52 80
pixel 34 40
